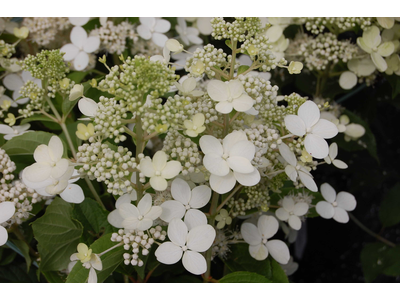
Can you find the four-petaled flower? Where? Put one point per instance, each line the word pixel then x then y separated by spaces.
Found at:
pixel 291 211
pixel 89 260
pixel 187 203
pixel 294 169
pixel 129 216
pixel 195 126
pixel 335 206
pixel 229 95
pixel 331 158
pixel 81 46
pixel 153 28
pixel 223 218
pixel 158 169
pixel 259 245
pixel 230 161
pixel 308 123
pixel 13 131
pixel 186 245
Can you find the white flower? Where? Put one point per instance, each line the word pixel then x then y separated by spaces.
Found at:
pixel 174 46
pixel 64 186
pixel 13 131
pixel 81 46
pixel 362 67
pixel 76 92
pixel 295 67
pixel 14 82
pixel 223 218
pixel 87 106
pixel 291 211
pixel 195 126
pixel 370 42
pixel 294 169
pixel 89 260
pixel 48 162
pixel 153 28
pixel 331 117
pixel 348 80
pixel 7 210
pixel 188 35
pixel 78 21
pixel 229 95
pixel 291 267
pixel 129 216
pixel 187 87
pixel 164 59
pixel 331 158
pixel 353 132
pixel 308 122
pixel 186 245
pixel 204 25
pixel 186 203
pixel 335 206
pixel 158 169
pixel 230 161
pixel 257 237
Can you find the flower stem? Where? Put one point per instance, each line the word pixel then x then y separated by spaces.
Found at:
pixel 237 188
pixel 92 189
pixel 139 150
pixel 211 220
pixel 377 236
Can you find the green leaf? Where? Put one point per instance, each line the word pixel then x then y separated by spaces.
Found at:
pixel 240 260
pixel 228 43
pixel 242 69
pixel 389 212
pixel 244 277
pixel 24 249
pixel 26 143
pixel 16 273
pixel 37 117
pixel 278 274
pixel 110 261
pixel 93 218
pixel 57 235
pixel 7 256
pixel 53 277
pixel 77 76
pixel 378 258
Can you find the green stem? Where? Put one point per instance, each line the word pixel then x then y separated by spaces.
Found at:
pixel 237 188
pixel 139 150
pixel 377 236
pixel 95 195
pixel 69 140
pixel 232 69
pixel 211 221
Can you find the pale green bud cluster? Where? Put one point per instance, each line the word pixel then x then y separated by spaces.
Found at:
pixel 184 150
pixel 262 54
pixel 209 57
pixel 138 242
pixel 6 50
pixel 238 30
pixel 114 168
pixel 316 25
pixel 36 95
pixel 108 119
pixel 317 53
pixel 47 64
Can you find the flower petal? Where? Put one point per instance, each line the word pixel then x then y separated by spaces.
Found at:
pixel 372 37
pixel 200 238
pixel 7 210
pixel 325 129
pixel 158 183
pixel 239 164
pixel 201 195
pixel 171 170
pixel 78 36
pixel 194 262
pixel 215 164
pixel 91 44
pixel 287 154
pixel 146 167
pixel 144 224
pixel 233 138
pixel 3 235
pixel 325 209
pixel 144 32
pixel 248 179
pixel 162 26
pixel 115 218
pixel 250 234
pixel 282 214
pixel 300 209
pixel 236 88
pixel 279 251
pixel 13 82
pixel 55 148
pixel 295 125
pixel 328 192
pixel 81 61
pixel 172 209
pixel 128 210
pixel 159 39
pixel 348 80
pixel 294 222
pixel 244 149
pixel 168 253
pixel 291 172
pixel 386 49
pixel 73 194
pixel 177 232
pixel 316 146
pixel 339 164
pixel 60 168
pixel 218 90
pixel 340 215
pixel 37 172
pixel 309 113
pixel 87 106
pixel 70 50
pixel 224 107
pixel 180 191
pixel 194 218
pixel 78 21
pixel 222 184
pixel 145 204
pixel 308 181
pixel 210 144
pixel 268 226
pixel 346 201
pixel 379 62
pixel 288 204
pixel 258 252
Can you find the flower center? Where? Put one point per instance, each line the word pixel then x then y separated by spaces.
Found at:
pixel 309 129
pixel 187 207
pixel 225 156
pixel 140 217
pixel 291 213
pixel 184 248
pixel 334 204
pixel 158 173
pixel 194 127
pixel 264 240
